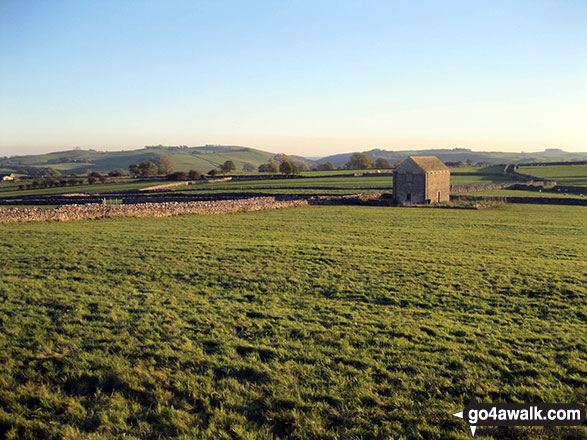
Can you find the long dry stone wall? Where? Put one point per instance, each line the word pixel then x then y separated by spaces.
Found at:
pixel 530 200
pixel 511 171
pixel 454 189
pixel 94 211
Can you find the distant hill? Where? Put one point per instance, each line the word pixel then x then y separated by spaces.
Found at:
pixel 211 156
pixel 186 158
pixel 463 154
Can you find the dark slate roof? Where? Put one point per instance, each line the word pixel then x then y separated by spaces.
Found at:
pixel 430 163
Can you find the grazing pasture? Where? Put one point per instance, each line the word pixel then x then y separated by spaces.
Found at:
pixel 349 183
pixel 317 322
pixel 571 175
pixel 521 193
pixel 125 184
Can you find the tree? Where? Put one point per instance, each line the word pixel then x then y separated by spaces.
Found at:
pixel 103 179
pixel 194 175
pixel 249 168
pixel 270 167
pixel 382 163
pixel 91 180
pixel 213 172
pixel 360 161
pixel 280 157
pixel 325 166
pixel 148 169
pixel 119 172
pixel 95 174
pixel 287 167
pixel 178 175
pixel 227 167
pixel 166 165
pixel 134 169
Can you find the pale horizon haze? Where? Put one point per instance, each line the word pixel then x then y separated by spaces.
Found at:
pixel 311 78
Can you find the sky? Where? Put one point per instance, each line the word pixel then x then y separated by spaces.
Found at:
pixel 301 77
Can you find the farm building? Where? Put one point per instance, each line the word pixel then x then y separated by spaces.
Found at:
pixel 6 177
pixel 421 179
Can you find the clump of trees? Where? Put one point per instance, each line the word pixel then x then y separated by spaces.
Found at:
pixel 326 166
pixel 227 167
pixel 178 175
pixel 248 168
pixel 270 167
pixel 382 163
pixel 144 169
pixel 119 172
pixel 50 182
pixel 166 165
pixel 281 163
pixel 182 175
pixel 288 167
pixel 360 161
pixel 194 175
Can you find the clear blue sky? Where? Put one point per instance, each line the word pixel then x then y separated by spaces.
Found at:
pixel 307 77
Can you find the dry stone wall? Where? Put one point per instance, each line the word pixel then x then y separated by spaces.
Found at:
pixel 94 210
pixel 530 200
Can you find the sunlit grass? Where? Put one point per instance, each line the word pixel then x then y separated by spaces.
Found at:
pixel 317 322
pixel 564 174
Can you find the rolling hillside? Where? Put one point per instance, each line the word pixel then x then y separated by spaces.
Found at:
pixel 463 154
pixel 211 156
pixel 186 158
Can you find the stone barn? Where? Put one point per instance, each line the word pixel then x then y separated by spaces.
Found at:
pixel 422 180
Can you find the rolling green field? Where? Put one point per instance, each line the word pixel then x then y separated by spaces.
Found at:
pixel 572 175
pixel 347 184
pixel 521 193
pixel 317 322
pixel 11 189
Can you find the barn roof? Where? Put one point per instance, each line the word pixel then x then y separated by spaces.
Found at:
pixel 430 163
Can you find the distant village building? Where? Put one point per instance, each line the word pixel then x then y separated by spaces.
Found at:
pixel 421 180
pixel 6 177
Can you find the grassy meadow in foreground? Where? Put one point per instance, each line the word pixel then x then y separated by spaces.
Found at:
pixel 318 322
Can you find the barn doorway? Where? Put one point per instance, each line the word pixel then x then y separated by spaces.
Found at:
pixel 438 197
pixel 408 197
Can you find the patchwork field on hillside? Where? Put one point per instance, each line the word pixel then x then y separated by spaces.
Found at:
pixel 318 322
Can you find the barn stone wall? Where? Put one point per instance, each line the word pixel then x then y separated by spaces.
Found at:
pixel 438 182
pixel 409 187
